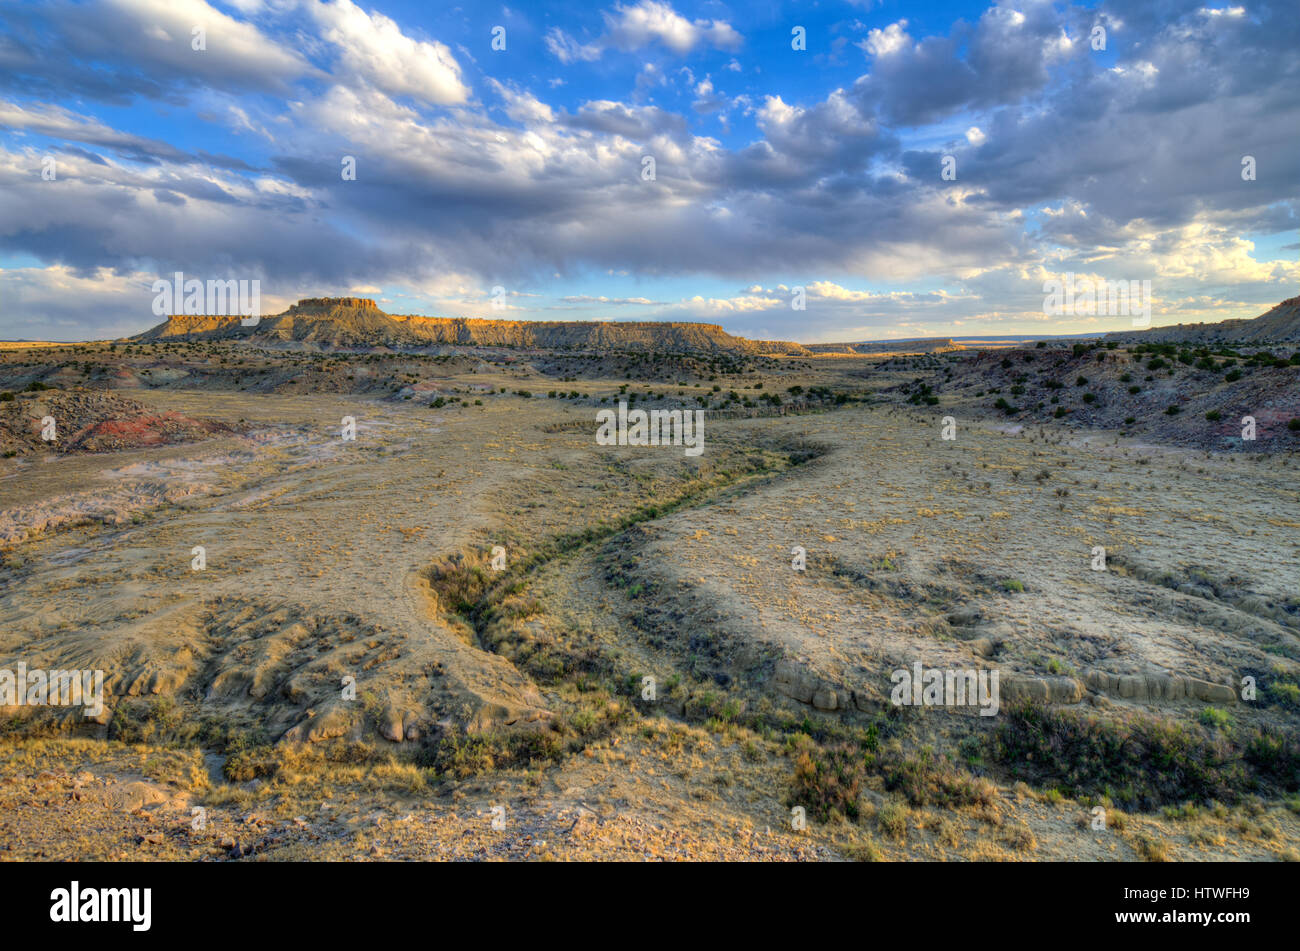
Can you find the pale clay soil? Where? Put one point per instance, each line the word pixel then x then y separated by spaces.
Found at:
pixel 316 551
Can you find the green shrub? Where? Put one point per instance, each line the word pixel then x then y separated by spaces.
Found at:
pixel 1215 718
pixel 1285 693
pixel 828 780
pixel 928 780
pixel 463 756
pixel 1275 755
pixel 892 819
pixel 1140 761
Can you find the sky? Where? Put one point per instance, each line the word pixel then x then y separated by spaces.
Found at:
pixel 502 160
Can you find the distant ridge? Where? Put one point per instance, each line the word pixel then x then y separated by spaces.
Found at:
pixel 1279 325
pixel 914 345
pixel 357 322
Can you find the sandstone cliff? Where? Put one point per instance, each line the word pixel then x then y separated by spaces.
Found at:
pixel 353 322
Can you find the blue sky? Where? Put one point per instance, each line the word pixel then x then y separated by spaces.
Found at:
pixel 776 168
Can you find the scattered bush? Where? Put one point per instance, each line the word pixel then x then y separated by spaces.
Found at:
pixel 1141 761
pixel 828 780
pixel 928 780
pixel 1150 848
pixel 892 820
pixel 1215 718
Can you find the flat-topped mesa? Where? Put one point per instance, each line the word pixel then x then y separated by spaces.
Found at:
pixel 308 304
pixel 194 323
pixel 358 323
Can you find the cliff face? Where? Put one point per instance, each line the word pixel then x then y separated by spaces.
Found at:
pixel 1281 324
pixel 357 322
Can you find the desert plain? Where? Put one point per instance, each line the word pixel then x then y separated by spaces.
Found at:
pixel 371 604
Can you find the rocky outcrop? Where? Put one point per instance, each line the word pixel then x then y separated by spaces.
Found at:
pixel 796 681
pixel 355 322
pixel 92 421
pixel 1045 689
pixel 1159 687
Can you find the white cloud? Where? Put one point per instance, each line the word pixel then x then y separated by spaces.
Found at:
pixel 523 106
pixel 375 49
pixel 160 34
pixel 888 41
pixel 634 27
pixel 568 50
pixel 615 301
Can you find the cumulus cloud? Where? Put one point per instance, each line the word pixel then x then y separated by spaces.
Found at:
pixel 629 28
pixel 891 39
pixel 632 27
pixel 373 47
pixel 114 49
pixel 1127 167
